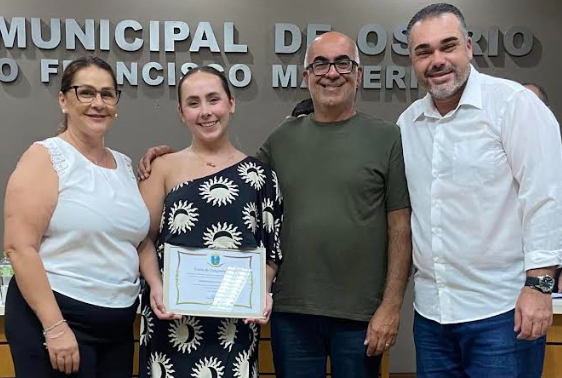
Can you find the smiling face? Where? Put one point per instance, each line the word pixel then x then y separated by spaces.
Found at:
pixel 332 91
pixel 93 118
pixel 205 107
pixel 441 55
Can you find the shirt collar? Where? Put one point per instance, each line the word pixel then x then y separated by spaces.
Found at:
pixel 472 96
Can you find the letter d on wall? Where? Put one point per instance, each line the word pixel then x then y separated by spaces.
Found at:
pixel 281 31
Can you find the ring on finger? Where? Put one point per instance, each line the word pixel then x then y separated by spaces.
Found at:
pixel 387 345
pixel 60 358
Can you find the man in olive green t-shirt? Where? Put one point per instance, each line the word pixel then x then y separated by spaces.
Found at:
pixel 346 230
pixel 346 227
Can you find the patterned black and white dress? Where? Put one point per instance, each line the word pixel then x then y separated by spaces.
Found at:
pixel 238 207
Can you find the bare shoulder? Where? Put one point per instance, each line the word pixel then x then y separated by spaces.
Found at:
pixel 165 163
pixel 161 169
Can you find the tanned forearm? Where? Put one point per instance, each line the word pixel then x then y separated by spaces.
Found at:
pixel 270 272
pixel 399 257
pixel 542 272
pixel 34 285
pixel 148 262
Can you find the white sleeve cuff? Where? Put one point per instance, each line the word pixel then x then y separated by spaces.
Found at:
pixel 543 259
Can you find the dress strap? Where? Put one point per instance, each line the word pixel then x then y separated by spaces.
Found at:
pixel 60 164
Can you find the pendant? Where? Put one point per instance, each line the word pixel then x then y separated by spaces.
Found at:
pixel 211 165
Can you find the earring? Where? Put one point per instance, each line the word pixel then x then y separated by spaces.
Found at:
pixel 116 115
pixel 64 111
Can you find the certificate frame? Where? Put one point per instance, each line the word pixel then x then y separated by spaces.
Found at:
pixel 223 283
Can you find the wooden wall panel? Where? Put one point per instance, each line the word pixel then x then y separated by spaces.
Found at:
pixel 553 362
pixel 6 365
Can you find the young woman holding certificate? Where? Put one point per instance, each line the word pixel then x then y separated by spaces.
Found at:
pixel 207 196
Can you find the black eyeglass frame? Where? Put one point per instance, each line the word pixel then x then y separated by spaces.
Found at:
pixel 330 64
pixel 75 87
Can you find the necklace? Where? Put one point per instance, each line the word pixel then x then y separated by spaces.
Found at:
pixel 101 162
pixel 211 164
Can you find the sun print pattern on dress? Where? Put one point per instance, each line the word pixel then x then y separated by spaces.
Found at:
pixel 227 332
pixel 222 236
pixel 186 334
pixel 162 219
pixel 250 216
pixel 267 215
pixel 208 368
pixel 219 191
pixel 160 366
pixel 182 217
pixel 278 195
pixel 252 174
pixel 254 337
pixel 255 370
pixel 242 365
pixel 146 326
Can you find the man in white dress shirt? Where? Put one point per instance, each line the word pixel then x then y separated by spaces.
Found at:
pixel 483 158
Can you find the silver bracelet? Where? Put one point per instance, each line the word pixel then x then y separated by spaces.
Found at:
pixel 53 326
pixel 55 336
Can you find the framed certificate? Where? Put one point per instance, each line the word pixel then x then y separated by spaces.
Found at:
pixel 216 283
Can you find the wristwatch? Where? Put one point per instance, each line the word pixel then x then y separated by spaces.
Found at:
pixel 544 284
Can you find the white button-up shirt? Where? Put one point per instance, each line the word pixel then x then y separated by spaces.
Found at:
pixel 485 183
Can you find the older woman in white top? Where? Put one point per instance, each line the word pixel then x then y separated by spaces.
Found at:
pixel 73 220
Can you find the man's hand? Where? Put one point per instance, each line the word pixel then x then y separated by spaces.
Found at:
pixel 152 153
pixel 533 314
pixel 382 330
pixel 559 282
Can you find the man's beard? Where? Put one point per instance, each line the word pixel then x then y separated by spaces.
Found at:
pixel 443 91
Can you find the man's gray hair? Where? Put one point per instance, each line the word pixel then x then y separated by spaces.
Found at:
pixel 436 10
pixel 357 59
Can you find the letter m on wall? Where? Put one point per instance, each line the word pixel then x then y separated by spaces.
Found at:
pixel 9 33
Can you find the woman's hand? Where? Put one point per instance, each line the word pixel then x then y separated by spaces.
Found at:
pixel 63 349
pixel 157 303
pixel 266 312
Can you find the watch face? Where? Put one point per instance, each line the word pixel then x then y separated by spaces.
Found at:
pixel 546 283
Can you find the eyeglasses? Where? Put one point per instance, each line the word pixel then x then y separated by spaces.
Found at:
pixel 321 68
pixel 87 94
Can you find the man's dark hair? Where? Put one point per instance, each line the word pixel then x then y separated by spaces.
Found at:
pixel 436 10
pixel 543 96
pixel 303 108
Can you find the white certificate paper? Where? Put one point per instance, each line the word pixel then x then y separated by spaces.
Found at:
pixel 216 283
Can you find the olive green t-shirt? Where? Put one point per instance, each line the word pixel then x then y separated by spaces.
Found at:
pixel 338 181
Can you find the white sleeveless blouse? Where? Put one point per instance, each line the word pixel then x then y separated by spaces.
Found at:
pixel 89 248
